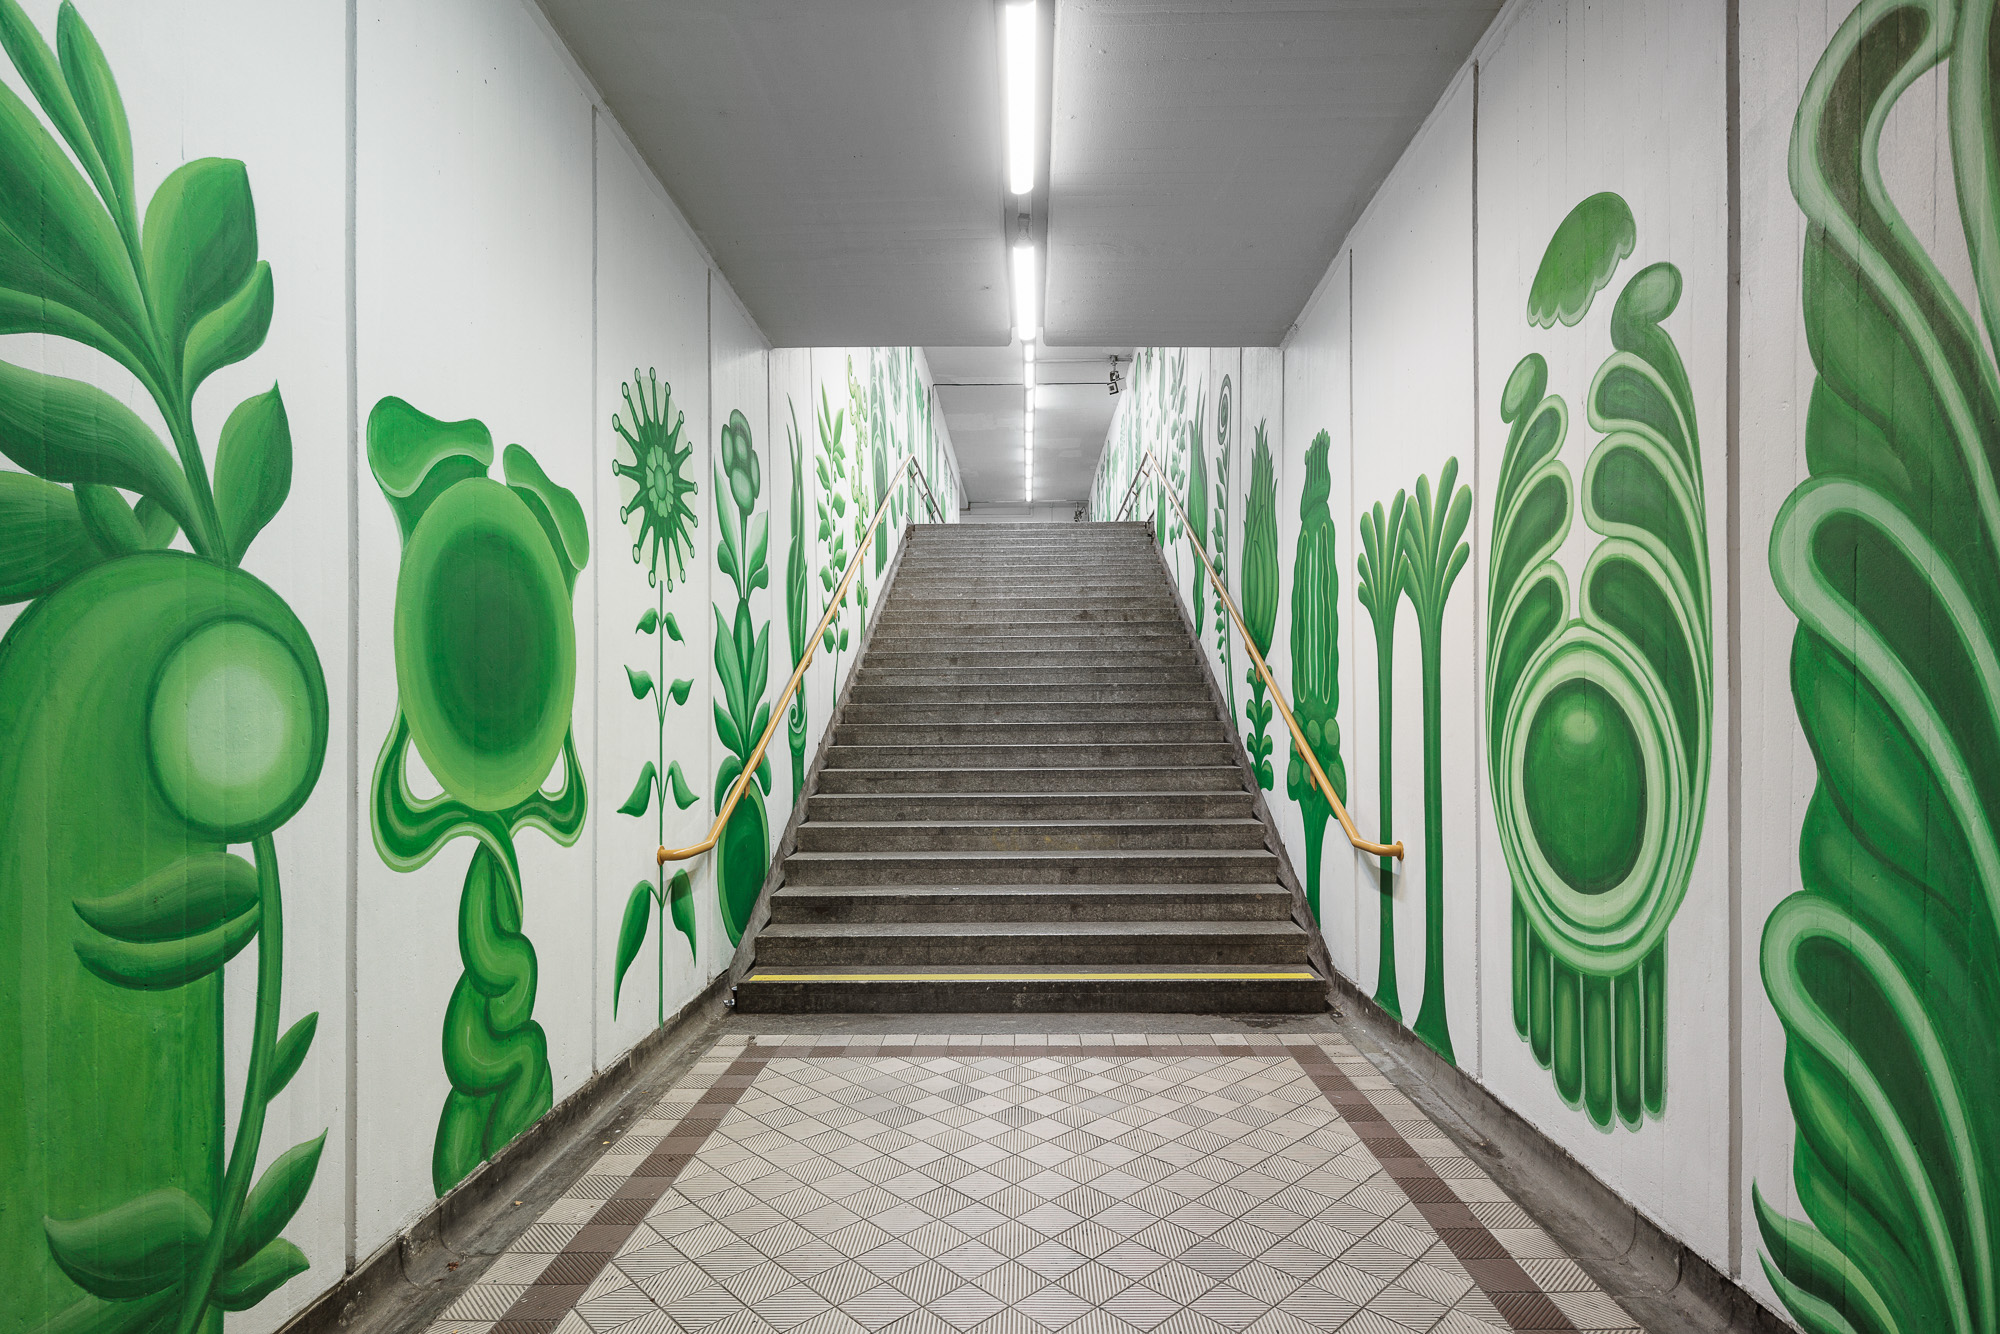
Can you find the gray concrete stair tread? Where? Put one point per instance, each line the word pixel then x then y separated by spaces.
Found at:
pixel 891 930
pixel 1218 822
pixel 1062 857
pixel 1019 891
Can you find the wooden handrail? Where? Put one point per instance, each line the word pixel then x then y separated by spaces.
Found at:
pixel 784 699
pixel 1263 668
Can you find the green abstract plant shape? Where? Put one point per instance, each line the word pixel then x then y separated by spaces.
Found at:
pixel 743 669
pixel 158 706
pixel 1600 724
pixel 1433 556
pixel 1585 251
pixel 1380 575
pixel 1260 598
pixel 663 498
pixel 1219 525
pixel 1884 967
pixel 830 468
pixel 796 633
pixel 1316 660
pixel 486 674
pixel 663 493
pixel 860 507
pixel 878 448
pixel 1197 508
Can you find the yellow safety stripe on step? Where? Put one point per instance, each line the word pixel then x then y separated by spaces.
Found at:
pixel 1033 977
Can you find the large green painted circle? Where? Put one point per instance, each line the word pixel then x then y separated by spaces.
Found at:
pixel 1584 781
pixel 231 727
pixel 485 645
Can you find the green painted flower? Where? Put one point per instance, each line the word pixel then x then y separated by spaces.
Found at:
pixel 486 566
pixel 663 495
pixel 1316 660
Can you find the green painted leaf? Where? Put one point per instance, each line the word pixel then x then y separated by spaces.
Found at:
pixel 680 900
pixel 673 627
pixel 680 689
pixel 641 682
pixel 108 518
pixel 200 243
pixel 642 792
pixel 273 1200
pixel 649 621
pixel 684 796
pixel 164 964
pixel 732 739
pixel 37 66
pixel 43 540
pixel 59 249
pixel 555 506
pixel 154 521
pixel 102 111
pixel 190 897
pixel 1581 257
pixel 94 1315
pixel 230 332
pixel 725 774
pixel 290 1054
pixel 631 936
pixel 68 431
pixel 760 542
pixel 133 1250
pixel 253 469
pixel 261 1275
pixel 415 457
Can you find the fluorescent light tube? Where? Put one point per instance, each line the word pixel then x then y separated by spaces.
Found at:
pixel 1027 318
pixel 1020 75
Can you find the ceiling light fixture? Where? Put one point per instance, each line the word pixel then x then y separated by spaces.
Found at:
pixel 1027 319
pixel 1020 58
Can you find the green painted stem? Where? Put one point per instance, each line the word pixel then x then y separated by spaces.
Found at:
pixel 250 1121
pixel 1386 993
pixel 1432 1025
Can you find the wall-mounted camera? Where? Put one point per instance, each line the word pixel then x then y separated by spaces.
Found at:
pixel 1115 383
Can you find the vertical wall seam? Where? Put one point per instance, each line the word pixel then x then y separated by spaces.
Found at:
pixel 351 1132
pixel 596 601
pixel 1354 543
pixel 1733 493
pixel 1478 676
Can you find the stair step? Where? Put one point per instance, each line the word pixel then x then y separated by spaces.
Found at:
pixel 948 944
pixel 944 654
pixel 1031 903
pixel 1183 989
pixel 1140 754
pixel 1025 689
pixel 1194 866
pixel 1187 672
pixel 871 838
pixel 1057 732
pixel 924 637
pixel 976 710
pixel 901 612
pixel 1000 778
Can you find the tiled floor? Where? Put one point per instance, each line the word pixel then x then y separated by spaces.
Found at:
pixel 1017 1184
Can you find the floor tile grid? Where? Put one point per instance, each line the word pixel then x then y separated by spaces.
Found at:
pixel 1522 1277
pixel 615 1214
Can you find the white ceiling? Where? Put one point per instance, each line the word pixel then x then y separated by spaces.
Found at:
pixel 841 159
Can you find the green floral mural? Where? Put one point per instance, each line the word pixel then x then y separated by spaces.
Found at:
pixel 1260 599
pixel 797 555
pixel 1884 967
pixel 742 670
pixel 1433 557
pixel 1381 573
pixel 1600 722
pixel 1225 632
pixel 158 707
pixel 1194 442
pixel 1316 661
pixel 485 646
pixel 830 469
pixel 663 499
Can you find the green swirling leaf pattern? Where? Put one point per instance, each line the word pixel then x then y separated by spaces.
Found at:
pixel 1884 968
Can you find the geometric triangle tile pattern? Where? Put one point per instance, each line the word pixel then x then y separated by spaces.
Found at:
pixel 1033 1184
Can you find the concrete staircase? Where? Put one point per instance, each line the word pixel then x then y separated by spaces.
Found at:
pixel 1031 804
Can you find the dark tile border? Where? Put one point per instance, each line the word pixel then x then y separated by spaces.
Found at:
pixel 571 1271
pixel 562 1283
